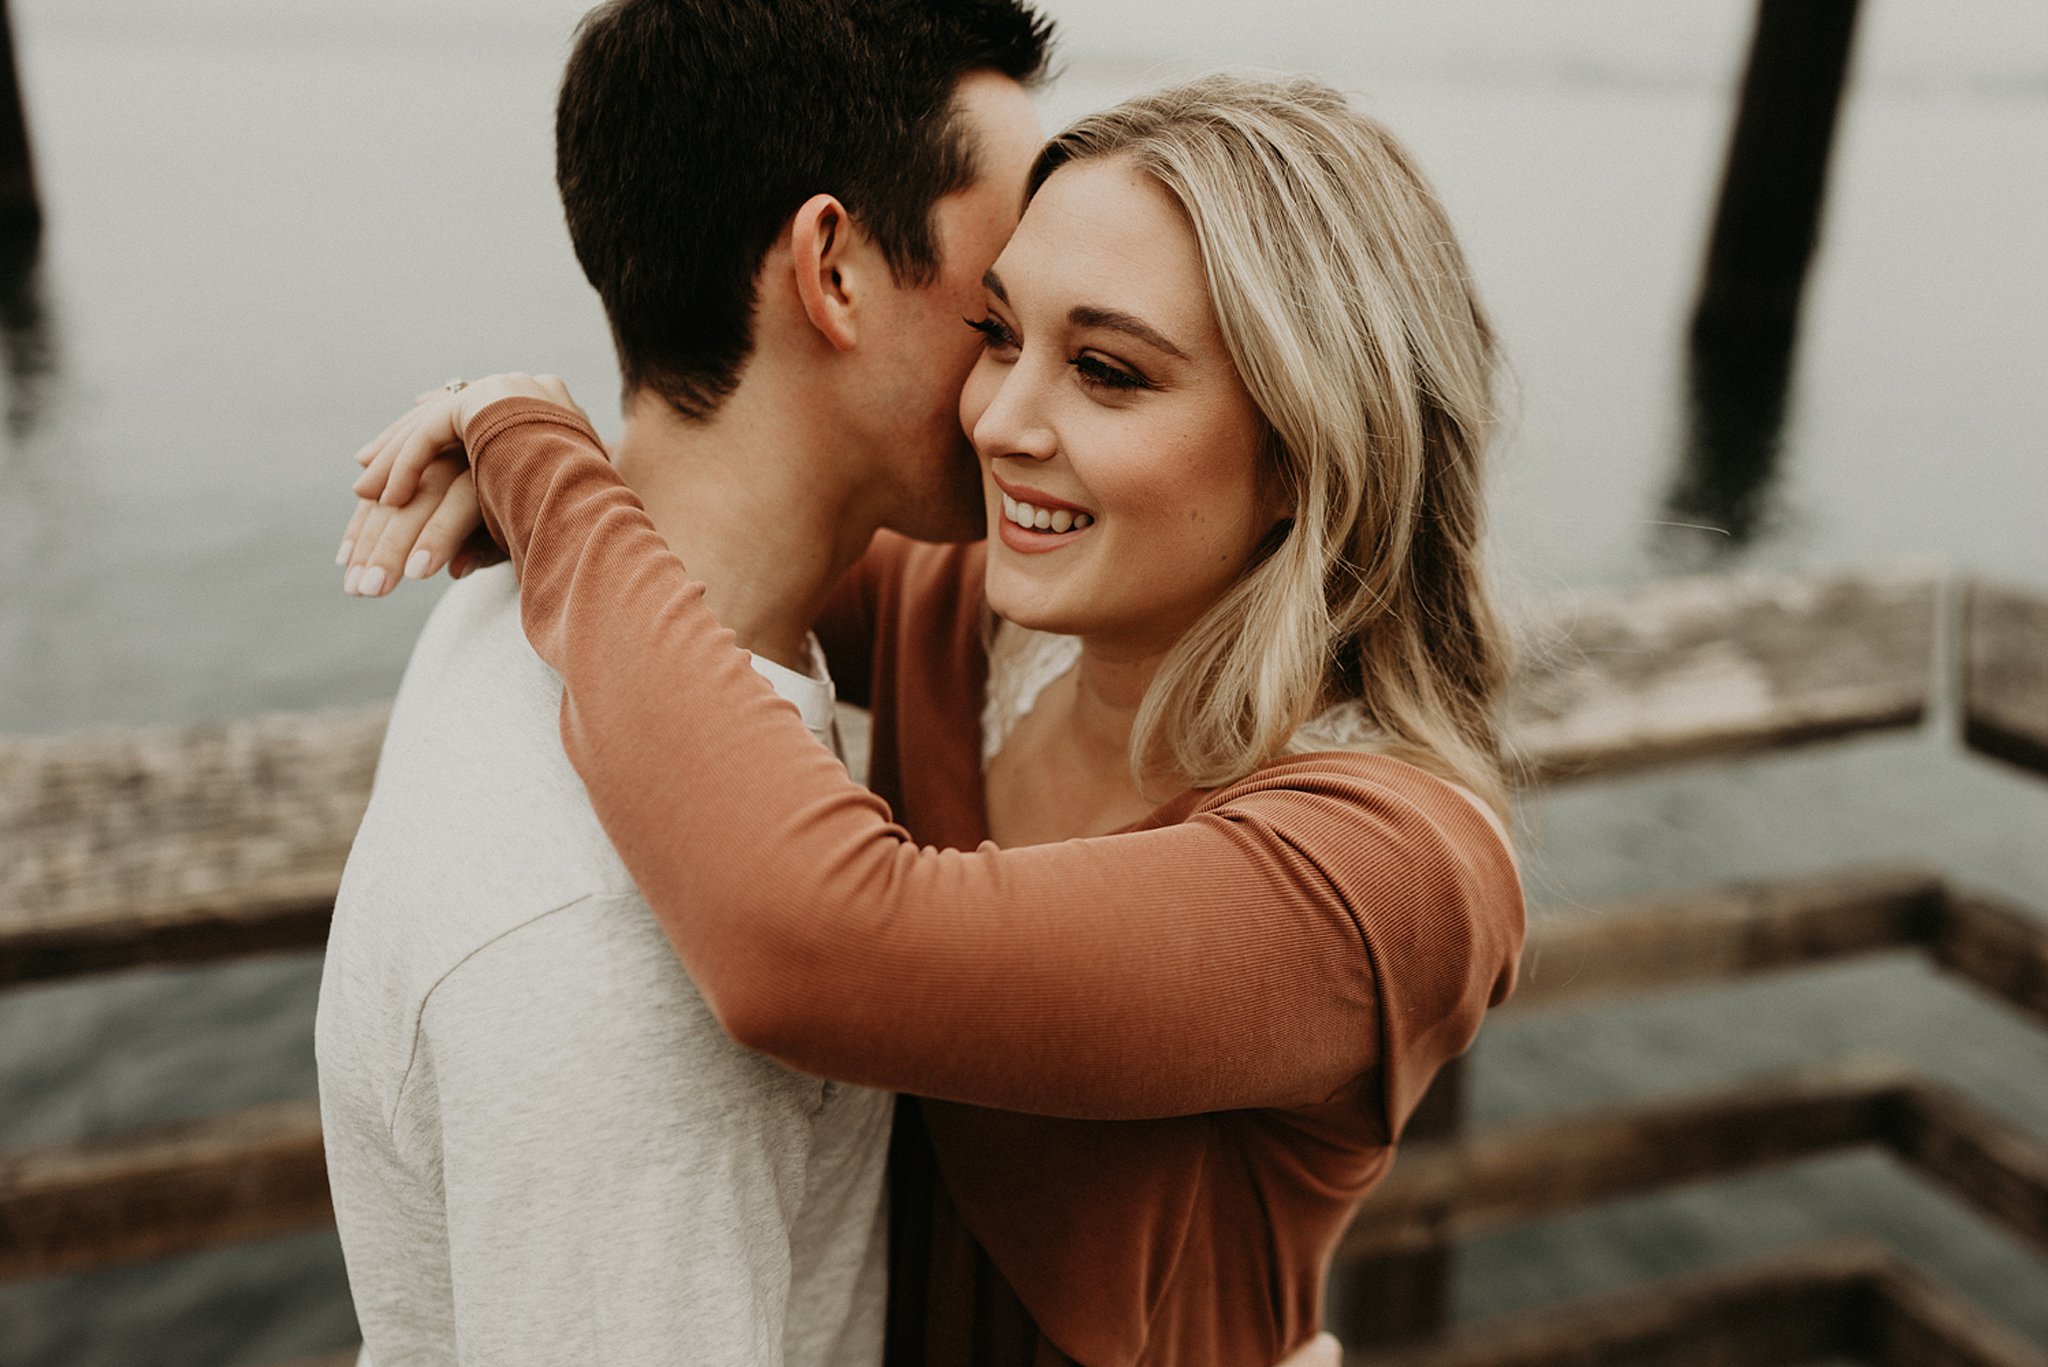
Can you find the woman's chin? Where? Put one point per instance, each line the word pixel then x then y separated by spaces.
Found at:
pixel 1028 607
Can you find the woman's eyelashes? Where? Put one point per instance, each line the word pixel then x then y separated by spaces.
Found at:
pixel 1094 371
pixel 995 334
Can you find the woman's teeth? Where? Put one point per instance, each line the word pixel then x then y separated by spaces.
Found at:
pixel 1044 519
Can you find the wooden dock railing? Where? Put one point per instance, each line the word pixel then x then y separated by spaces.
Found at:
pixel 180 845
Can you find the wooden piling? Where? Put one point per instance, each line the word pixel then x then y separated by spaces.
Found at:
pixel 1746 321
pixel 1776 178
pixel 21 210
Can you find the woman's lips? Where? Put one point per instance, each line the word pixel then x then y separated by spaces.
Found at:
pixel 1037 498
pixel 1031 516
pixel 1031 541
pixel 1032 521
pixel 1037 521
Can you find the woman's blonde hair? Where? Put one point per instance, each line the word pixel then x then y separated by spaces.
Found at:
pixel 1353 322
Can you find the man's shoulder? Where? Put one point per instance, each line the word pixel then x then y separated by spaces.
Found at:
pixel 472 771
pixel 596 970
pixel 583 1006
pixel 472 656
pixel 477 823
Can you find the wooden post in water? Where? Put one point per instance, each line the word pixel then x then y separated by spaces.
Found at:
pixel 21 211
pixel 1771 192
pixel 1765 230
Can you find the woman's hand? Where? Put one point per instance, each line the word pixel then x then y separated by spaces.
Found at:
pixel 1320 1351
pixel 439 527
pixel 416 509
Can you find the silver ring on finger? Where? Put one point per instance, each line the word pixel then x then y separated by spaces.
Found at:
pixel 456 386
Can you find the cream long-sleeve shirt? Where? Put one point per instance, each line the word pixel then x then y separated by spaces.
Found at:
pixel 542 1146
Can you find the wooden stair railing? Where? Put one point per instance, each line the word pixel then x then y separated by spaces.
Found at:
pixel 181 845
pixel 1839 1299
pixel 2005 674
pixel 254 1173
pixel 184 844
pixel 1523 1172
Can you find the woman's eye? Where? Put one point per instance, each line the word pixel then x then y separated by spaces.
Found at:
pixel 1099 372
pixel 994 334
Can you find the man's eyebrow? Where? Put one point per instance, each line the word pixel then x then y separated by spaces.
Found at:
pixel 1087 316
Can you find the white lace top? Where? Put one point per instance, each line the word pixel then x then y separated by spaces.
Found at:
pixel 1021 663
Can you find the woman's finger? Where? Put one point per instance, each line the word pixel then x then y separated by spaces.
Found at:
pixel 366 452
pixel 411 434
pixel 370 483
pixel 401 529
pixel 353 531
pixel 447 530
pixel 434 430
pixel 366 542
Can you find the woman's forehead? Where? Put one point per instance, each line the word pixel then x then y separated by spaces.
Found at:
pixel 1104 233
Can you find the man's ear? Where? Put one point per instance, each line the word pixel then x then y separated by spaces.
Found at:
pixel 826 248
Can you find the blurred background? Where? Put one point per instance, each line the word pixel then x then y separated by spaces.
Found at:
pixel 271 222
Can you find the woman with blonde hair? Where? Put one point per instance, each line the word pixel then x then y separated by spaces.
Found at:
pixel 1202 871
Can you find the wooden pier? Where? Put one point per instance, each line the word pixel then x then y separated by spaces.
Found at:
pixel 180 845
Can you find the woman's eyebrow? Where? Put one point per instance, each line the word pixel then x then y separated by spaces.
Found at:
pixel 1089 316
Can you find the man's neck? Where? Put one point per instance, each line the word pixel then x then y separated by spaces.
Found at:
pixel 751 502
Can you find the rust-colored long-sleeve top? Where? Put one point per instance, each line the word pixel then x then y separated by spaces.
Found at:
pixel 1157 1069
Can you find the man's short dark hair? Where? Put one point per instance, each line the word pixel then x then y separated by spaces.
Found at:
pixel 689 131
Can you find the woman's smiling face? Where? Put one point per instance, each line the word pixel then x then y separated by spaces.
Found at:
pixel 1107 404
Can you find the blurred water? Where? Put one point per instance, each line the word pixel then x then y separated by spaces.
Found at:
pixel 271 223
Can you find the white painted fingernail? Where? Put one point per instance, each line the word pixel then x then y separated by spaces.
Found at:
pixel 348 581
pixel 372 582
pixel 416 565
pixel 348 545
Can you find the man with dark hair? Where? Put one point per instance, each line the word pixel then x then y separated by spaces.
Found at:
pixel 543 1147
pixel 748 118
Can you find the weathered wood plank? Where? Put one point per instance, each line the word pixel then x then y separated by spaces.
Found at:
pixel 1450 1191
pixel 1980 1157
pixel 1845 1297
pixel 156 816
pixel 1439 1193
pixel 2005 674
pixel 1714 667
pixel 1917 1322
pixel 182 843
pixel 177 843
pixel 257 1173
pixel 224 1179
pixel 2000 948
pixel 1789 1308
pixel 1575 956
pixel 180 931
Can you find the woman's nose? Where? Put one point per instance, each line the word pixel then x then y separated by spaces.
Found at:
pixel 1015 423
